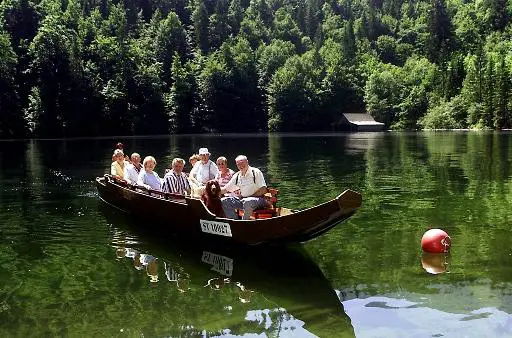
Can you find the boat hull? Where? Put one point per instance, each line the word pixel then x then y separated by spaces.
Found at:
pixel 190 216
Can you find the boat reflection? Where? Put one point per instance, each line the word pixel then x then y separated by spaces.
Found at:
pixel 263 290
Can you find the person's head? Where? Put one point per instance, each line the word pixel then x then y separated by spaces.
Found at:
pixel 135 158
pixel 193 159
pixel 241 162
pixel 118 156
pixel 204 154
pixel 177 165
pixel 119 145
pixel 222 164
pixel 149 163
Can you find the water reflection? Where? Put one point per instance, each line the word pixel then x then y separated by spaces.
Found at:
pixel 61 277
pixel 243 291
pixel 435 263
pixel 398 317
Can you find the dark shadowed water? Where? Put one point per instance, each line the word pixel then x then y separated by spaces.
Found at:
pixel 69 266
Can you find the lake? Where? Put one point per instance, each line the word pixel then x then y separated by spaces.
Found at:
pixel 70 266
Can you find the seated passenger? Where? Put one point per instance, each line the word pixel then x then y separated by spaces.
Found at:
pixel 248 186
pixel 119 146
pixel 175 181
pixel 132 170
pixel 147 177
pixel 225 173
pixel 117 166
pixel 205 169
pixel 193 159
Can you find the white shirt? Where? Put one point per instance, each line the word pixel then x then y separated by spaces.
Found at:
pixel 204 172
pixel 131 174
pixel 248 184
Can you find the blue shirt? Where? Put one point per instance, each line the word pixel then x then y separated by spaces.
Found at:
pixel 152 179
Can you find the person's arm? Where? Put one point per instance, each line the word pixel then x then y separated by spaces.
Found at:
pixel 141 180
pixel 260 192
pixel 194 180
pixel 195 168
pixel 187 185
pixel 159 180
pixel 260 182
pixel 126 174
pixel 230 186
pixel 215 170
pixel 113 171
pixel 129 174
pixel 166 186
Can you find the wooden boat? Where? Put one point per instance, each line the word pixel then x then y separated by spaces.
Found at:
pixel 177 213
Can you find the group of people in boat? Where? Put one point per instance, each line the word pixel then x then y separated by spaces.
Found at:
pixel 241 190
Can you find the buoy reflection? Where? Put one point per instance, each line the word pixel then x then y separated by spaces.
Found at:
pixel 435 263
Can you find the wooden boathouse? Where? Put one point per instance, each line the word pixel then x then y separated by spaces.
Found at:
pixel 358 122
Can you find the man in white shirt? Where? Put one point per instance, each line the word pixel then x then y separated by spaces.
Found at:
pixel 205 169
pixel 247 187
pixel 132 170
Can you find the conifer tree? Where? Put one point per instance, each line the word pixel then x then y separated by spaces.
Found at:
pixel 201 21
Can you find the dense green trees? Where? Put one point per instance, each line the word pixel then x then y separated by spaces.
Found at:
pixel 11 122
pixel 70 68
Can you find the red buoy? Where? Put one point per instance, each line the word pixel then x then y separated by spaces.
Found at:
pixel 436 241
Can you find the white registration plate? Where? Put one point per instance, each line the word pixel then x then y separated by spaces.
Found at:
pixel 216 228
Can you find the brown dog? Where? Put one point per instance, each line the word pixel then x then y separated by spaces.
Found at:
pixel 211 198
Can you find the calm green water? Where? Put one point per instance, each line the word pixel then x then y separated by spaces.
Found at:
pixel 69 266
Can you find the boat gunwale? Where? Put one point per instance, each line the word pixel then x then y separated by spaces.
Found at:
pixel 183 202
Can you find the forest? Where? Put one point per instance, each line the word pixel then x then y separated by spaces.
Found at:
pixel 78 68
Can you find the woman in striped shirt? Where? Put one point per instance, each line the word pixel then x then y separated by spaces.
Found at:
pixel 225 173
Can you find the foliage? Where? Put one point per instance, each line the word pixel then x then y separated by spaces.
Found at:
pixel 446 115
pixel 398 96
pixel 296 95
pixel 180 101
pixel 11 123
pixel 106 67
